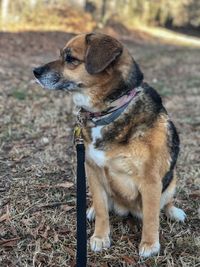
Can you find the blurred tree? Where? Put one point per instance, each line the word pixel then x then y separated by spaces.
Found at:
pixel 90 7
pixel 80 3
pixel 103 10
pixel 33 3
pixel 167 13
pixel 4 10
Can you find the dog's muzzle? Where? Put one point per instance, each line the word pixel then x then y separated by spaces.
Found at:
pixel 52 80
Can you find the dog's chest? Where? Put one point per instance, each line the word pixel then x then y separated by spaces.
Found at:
pixel 92 153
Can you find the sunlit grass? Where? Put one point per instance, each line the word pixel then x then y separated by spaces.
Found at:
pixel 171 36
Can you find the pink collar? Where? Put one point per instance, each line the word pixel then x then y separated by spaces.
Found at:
pixel 120 102
pixel 102 118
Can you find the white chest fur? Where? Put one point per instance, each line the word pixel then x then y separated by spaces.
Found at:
pixel 82 100
pixel 94 154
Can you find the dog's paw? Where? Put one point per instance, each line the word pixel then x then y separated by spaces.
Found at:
pixel 176 214
pixel 149 249
pixel 98 243
pixel 91 213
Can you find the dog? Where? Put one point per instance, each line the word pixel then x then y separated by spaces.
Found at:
pixel 131 143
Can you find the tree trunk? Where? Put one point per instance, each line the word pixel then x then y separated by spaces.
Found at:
pixel 103 10
pixel 33 3
pixel 4 10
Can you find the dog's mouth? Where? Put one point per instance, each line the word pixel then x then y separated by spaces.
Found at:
pixel 67 86
pixel 38 82
pixel 54 81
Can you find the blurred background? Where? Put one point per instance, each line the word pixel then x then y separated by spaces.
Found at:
pixel 37 192
pixel 79 15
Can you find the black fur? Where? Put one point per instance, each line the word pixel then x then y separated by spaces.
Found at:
pixel 147 106
pixel 134 80
pixel 136 75
pixel 173 145
pixel 155 98
pixel 144 109
pixel 167 180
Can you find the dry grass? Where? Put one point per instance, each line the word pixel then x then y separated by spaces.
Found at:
pixel 37 205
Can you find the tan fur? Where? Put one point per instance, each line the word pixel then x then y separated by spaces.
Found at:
pixel 131 178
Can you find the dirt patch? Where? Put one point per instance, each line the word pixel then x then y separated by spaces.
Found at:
pixel 37 205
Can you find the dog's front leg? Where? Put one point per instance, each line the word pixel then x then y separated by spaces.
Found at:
pixel 100 239
pixel 151 194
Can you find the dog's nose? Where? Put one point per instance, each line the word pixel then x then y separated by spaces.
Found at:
pixel 38 71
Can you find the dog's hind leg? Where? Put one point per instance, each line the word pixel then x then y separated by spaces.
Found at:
pixel 91 213
pixel 174 213
pixel 167 202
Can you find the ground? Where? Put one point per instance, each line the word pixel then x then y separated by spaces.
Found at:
pixel 37 177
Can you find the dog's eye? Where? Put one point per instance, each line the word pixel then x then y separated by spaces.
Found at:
pixel 71 60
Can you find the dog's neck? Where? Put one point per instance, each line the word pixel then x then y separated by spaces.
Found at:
pixel 107 116
pixel 117 92
pixel 125 85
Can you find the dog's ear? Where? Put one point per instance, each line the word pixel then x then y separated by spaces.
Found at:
pixel 101 51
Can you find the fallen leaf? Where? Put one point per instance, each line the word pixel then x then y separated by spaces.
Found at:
pixel 6 216
pixel 131 244
pixel 64 230
pixel 61 185
pixel 66 207
pixel 91 264
pixel 195 194
pixel 128 260
pixel 70 251
pixel 64 185
pixel 47 246
pixel 9 242
pixel 45 234
pixel 40 227
pixel 55 238
pixel 73 263
pixel 53 205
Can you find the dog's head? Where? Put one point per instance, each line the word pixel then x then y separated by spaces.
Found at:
pixel 96 67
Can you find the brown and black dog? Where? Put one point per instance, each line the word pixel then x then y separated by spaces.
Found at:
pixel 131 143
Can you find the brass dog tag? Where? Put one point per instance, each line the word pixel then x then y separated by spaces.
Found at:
pixel 78 139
